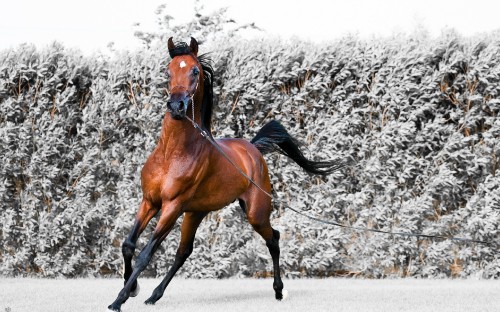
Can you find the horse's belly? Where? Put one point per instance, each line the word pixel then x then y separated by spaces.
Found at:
pixel 216 194
pixel 207 205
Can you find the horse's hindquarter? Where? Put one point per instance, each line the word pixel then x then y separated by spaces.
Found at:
pixel 223 183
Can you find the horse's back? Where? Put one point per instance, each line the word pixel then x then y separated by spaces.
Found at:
pixel 240 146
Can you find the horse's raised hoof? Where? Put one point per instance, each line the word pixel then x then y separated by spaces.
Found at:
pixel 114 307
pixel 150 301
pixel 135 292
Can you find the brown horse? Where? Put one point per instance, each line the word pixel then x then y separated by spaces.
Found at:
pixel 187 175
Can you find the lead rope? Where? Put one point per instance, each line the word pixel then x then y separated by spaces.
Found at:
pixel 219 149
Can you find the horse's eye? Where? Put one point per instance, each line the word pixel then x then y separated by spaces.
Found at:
pixel 195 71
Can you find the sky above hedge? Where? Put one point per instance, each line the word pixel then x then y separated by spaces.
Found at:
pixel 93 24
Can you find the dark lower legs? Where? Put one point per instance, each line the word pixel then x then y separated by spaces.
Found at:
pixel 128 248
pixel 274 249
pixel 144 215
pixel 165 224
pixel 258 219
pixel 272 238
pixel 140 264
pixel 180 258
pixel 188 230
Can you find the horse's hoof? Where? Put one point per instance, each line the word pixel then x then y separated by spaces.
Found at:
pixel 154 297
pixel 113 307
pixel 135 292
pixel 281 295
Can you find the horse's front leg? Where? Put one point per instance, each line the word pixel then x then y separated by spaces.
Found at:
pixel 188 231
pixel 144 215
pixel 169 213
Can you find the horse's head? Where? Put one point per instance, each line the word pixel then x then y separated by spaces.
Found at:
pixel 186 77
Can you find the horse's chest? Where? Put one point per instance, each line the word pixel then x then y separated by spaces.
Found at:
pixel 168 181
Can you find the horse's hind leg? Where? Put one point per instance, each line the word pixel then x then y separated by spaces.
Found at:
pixel 144 215
pixel 258 211
pixel 274 249
pixel 189 226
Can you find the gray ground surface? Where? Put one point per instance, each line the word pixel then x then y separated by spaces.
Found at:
pixel 26 294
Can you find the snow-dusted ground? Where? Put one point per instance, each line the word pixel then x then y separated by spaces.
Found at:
pixel 27 294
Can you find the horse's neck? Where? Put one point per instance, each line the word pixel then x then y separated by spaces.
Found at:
pixel 177 135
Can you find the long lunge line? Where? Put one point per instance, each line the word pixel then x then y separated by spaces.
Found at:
pixel 271 147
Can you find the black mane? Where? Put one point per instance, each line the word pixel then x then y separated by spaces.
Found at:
pixel 208 92
pixel 182 48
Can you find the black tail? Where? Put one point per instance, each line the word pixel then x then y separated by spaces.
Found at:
pixel 274 138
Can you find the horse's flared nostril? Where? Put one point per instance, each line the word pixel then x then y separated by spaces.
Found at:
pixel 173 105
pixel 177 104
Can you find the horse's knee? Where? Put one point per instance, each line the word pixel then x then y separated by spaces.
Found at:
pixel 128 249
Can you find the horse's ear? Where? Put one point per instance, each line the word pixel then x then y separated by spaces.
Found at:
pixel 194 46
pixel 171 44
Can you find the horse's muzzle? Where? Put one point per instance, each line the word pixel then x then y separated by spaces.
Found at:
pixel 177 105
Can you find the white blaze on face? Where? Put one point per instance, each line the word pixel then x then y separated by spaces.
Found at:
pixel 182 64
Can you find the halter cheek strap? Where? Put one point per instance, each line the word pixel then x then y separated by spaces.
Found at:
pixel 192 97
